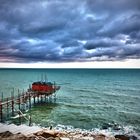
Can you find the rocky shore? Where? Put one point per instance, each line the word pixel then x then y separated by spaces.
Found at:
pixel 47 134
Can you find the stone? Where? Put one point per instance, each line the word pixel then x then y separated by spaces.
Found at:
pixel 57 138
pixel 64 138
pixel 62 134
pixel 48 134
pixel 6 134
pixel 122 137
pixel 133 138
pixel 103 137
pixel 51 138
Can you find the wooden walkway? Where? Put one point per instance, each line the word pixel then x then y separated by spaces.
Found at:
pixel 22 102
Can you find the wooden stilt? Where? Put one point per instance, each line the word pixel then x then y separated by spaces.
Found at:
pixel 50 98
pixel 45 98
pixel 2 96
pixel 12 103
pixel 26 98
pixel 19 101
pixel 30 121
pixel 1 113
pixel 41 99
pixel 19 117
pixel 38 98
pixel 54 98
pixel 29 101
pixel 23 102
pixel 12 106
pixel 34 98
pixel 7 108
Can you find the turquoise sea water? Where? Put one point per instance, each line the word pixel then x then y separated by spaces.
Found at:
pixel 88 98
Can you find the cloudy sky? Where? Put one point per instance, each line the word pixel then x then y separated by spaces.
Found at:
pixel 70 33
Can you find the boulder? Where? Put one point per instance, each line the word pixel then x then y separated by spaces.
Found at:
pixel 122 137
pixel 65 138
pixel 48 134
pixel 6 134
pixel 103 137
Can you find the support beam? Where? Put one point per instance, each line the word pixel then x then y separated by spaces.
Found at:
pixel 34 98
pixel 29 101
pixel 7 107
pixel 1 113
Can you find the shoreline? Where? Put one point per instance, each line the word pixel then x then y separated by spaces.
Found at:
pixel 23 132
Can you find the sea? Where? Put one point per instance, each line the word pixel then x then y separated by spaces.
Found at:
pixel 89 99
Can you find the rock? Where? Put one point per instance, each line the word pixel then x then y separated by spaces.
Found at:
pixel 133 138
pixel 99 137
pixel 48 134
pixel 9 136
pixel 106 125
pixel 122 137
pixel 103 137
pixel 6 134
pixel 16 137
pixel 64 138
pixel 51 138
pixel 57 138
pixel 40 138
pixel 116 127
pixel 87 138
pixel 62 134
pixel 110 138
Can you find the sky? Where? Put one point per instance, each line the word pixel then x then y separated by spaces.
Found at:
pixel 70 33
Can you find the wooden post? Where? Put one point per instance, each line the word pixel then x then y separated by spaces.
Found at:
pixel 38 98
pixel 23 102
pixel 1 96
pixel 54 90
pixel 18 100
pixel 26 100
pixel 29 101
pixel 1 117
pixel 19 117
pixel 54 97
pixel 12 103
pixel 12 106
pixel 23 97
pixel 7 107
pixel 45 98
pixel 13 91
pixel 30 121
pixel 50 98
pixel 34 98
pixel 41 99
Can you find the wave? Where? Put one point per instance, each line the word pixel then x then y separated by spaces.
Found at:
pixel 111 129
pixel 130 117
pixel 79 106
pixel 125 130
pixel 66 83
pixel 86 90
pixel 122 95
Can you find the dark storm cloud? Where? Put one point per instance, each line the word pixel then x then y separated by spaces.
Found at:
pixel 101 43
pixel 63 30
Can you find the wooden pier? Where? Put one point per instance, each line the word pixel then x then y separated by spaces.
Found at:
pixel 16 104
